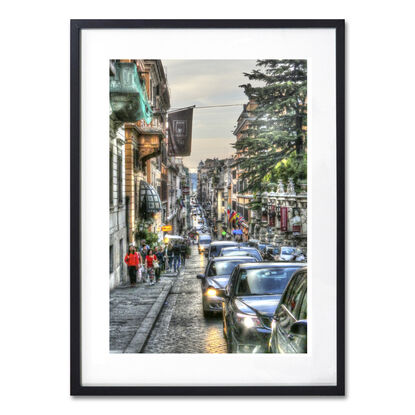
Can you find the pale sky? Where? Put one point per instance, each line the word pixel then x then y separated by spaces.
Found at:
pixel 209 82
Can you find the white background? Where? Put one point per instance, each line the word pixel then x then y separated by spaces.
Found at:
pixel 35 205
pixel 318 366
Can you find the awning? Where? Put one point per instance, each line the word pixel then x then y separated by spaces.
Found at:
pixel 149 199
pixel 237 232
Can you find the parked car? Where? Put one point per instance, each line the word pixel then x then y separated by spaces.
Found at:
pixel 203 243
pixel 287 253
pixel 299 256
pixel 271 253
pixel 250 299
pixel 254 243
pixel 216 277
pixel 216 246
pixel 289 323
pixel 241 250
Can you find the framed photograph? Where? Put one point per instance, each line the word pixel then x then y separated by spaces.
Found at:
pixel 207 207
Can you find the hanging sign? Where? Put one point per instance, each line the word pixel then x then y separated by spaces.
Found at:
pixel 271 217
pixel 296 228
pixel 284 219
pixel 166 228
pixel 180 132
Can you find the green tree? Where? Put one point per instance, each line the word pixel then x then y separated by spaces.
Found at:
pixel 291 167
pixel 278 127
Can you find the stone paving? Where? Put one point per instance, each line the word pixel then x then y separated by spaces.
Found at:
pixel 181 326
pixel 129 306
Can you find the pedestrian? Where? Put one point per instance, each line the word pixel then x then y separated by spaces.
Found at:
pixel 176 257
pixel 169 254
pixel 133 261
pixel 151 263
pixel 160 259
pixel 183 249
pixel 144 248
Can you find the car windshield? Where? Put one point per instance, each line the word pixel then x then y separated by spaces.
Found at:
pixel 287 251
pixel 205 239
pixel 222 268
pixel 263 281
pixel 215 249
pixel 272 250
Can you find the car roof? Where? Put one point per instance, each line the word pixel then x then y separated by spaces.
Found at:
pixel 258 265
pixel 231 258
pixel 240 248
pixel 230 243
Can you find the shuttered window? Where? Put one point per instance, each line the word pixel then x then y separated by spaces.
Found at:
pixel 111 179
pixel 119 178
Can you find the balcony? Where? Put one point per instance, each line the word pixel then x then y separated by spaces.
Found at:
pixel 128 97
pixel 148 141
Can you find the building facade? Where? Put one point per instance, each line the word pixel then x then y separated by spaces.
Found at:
pixel 138 90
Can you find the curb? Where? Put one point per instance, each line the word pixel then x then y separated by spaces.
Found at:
pixel 140 337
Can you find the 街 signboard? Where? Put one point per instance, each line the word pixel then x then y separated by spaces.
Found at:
pixel 180 132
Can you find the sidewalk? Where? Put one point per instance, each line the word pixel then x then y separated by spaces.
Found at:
pixel 133 311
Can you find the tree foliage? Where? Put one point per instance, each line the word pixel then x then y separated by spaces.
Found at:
pixel 278 123
pixel 291 167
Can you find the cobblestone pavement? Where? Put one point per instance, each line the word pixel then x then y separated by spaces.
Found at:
pixel 181 326
pixel 129 306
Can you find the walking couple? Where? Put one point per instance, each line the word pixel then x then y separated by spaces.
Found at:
pixel 135 265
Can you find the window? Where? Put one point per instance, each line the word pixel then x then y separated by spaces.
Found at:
pixel 154 97
pixel 111 258
pixel 295 302
pixel 120 254
pixel 136 158
pixel 222 268
pixel 294 293
pixel 263 281
pixel 119 177
pixel 136 199
pixel 303 311
pixel 111 179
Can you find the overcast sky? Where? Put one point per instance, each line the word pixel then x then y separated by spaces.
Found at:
pixel 209 82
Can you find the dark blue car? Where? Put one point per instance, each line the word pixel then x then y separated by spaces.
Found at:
pixel 249 302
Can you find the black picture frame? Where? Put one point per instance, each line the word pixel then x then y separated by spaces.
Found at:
pixel 76 387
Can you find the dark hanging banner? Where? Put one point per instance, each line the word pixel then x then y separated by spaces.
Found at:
pixel 180 132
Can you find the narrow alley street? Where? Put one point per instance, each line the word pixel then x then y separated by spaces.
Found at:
pixel 181 326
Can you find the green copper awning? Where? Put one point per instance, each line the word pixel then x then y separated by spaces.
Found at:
pixel 128 96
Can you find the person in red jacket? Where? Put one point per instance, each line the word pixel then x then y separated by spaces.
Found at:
pixel 133 261
pixel 151 259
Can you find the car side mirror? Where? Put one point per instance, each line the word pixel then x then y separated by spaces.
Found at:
pixel 299 328
pixel 200 276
